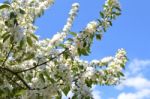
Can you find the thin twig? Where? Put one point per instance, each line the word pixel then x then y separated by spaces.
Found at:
pixel 38 65
pixel 7 56
pixel 18 76
pixel 14 81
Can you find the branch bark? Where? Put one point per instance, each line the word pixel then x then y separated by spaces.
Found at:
pixel 18 76
pixel 38 65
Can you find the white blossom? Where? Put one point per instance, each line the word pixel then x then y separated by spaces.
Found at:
pixel 91 27
pixel 36 68
pixel 107 59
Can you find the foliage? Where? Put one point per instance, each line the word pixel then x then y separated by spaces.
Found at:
pixel 41 69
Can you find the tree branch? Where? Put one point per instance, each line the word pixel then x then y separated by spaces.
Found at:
pixel 38 65
pixel 7 56
pixel 14 81
pixel 18 76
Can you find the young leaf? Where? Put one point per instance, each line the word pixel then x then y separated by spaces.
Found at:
pixel 59 96
pixel 73 33
pixel 102 14
pixel 4 6
pixel 5 34
pixel 29 56
pixel 120 73
pixel 29 41
pixel 22 11
pixel 6 37
pixel 110 23
pixel 75 96
pixel 88 82
pixel 118 8
pixel 42 77
pixel 84 52
pixel 98 36
pixel 62 45
pixel 34 36
pixel 66 90
pixel 48 77
pixel 13 15
pixel 22 42
pixel 19 92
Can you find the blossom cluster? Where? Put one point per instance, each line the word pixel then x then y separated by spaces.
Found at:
pixel 60 36
pixel 111 73
pixel 32 68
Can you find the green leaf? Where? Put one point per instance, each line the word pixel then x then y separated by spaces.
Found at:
pixel 66 90
pixel 62 45
pixel 102 14
pixel 98 36
pixel 48 77
pixel 66 55
pixel 73 33
pixel 104 29
pixel 22 42
pixel 13 15
pixel 5 34
pixel 99 21
pixel 29 41
pixel 59 96
pixel 118 8
pixel 34 36
pixel 22 11
pixel 6 37
pixel 81 67
pixel 110 23
pixel 84 52
pixel 15 21
pixel 42 77
pixel 79 52
pixel 19 92
pixel 120 73
pixel 70 39
pixel 7 23
pixel 122 65
pixel 11 39
pixel 75 69
pixel 1 59
pixel 116 13
pixel 75 96
pixel 84 44
pixel 29 56
pixel 88 82
pixel 4 6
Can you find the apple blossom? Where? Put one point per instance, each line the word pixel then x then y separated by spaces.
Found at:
pixel 31 68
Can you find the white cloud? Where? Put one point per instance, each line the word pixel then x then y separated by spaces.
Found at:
pixel 138 65
pixel 142 94
pixel 134 76
pixel 137 82
pixel 70 94
pixel 96 94
pixel 135 79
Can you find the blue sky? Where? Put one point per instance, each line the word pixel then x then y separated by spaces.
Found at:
pixel 130 31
